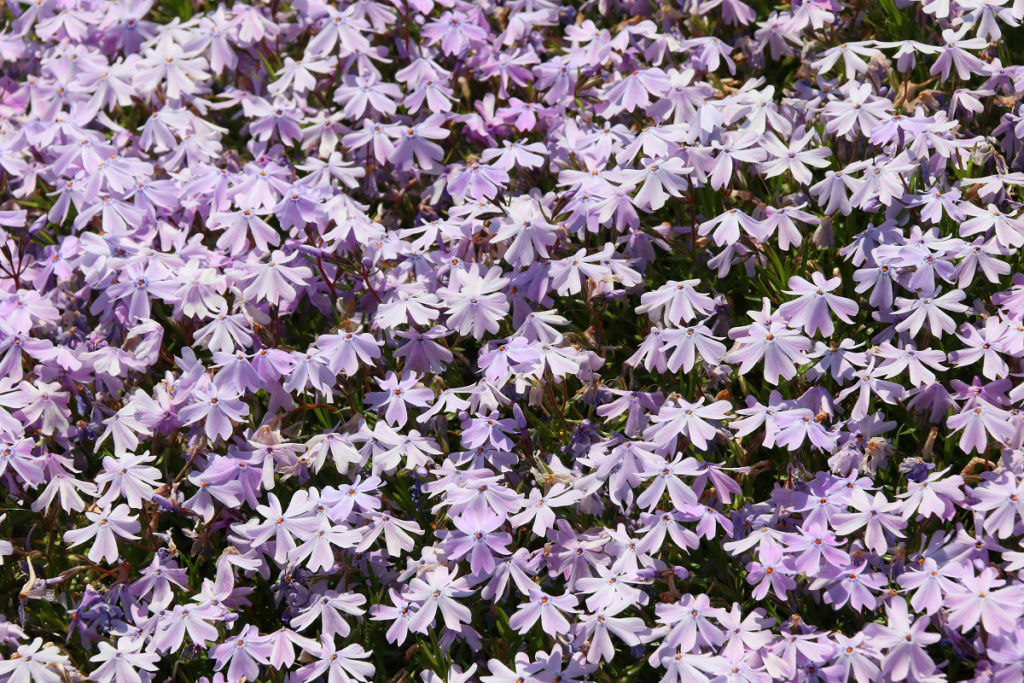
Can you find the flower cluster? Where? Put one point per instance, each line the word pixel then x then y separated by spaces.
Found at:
pixel 511 341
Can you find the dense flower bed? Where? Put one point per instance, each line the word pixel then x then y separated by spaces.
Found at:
pixel 511 341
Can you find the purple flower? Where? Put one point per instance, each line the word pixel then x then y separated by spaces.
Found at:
pixel 814 303
pixel 905 641
pixel 676 301
pixel 121 663
pixel 340 665
pixel 128 477
pixel 772 570
pixel 812 545
pixel 780 347
pixel 477 181
pixel 473 300
pixel 218 407
pixel 666 476
pixel 327 609
pixel 549 609
pixel 243 654
pixel 937 495
pixel 439 589
pixel 539 508
pixel 273 281
pixel 396 394
pixel 42 402
pixel 107 526
pixel 659 179
pixel 692 621
pixel 930 584
pixel 33 663
pixel 241 249
pixel 635 89
pixel 978 423
pixel 691 420
pixel 726 227
pixel 478 540
pixel 1001 496
pixel 453 30
pixel 875 516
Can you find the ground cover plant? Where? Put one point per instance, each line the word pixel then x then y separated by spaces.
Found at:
pixel 523 341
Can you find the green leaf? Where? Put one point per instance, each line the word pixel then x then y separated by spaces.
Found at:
pixel 894 14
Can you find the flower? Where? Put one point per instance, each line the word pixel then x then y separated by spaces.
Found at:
pixel 439 589
pixel 875 516
pixel 340 665
pixel 327 609
pixel 771 570
pixel 129 478
pixel 243 654
pixel 217 407
pixel 539 508
pixel 680 418
pixel 549 609
pixel 479 541
pixel 273 281
pixel 243 247
pixel 284 526
pixel 675 301
pixel 905 641
pixel 42 402
pixel 107 526
pixel 33 663
pixel 931 309
pixel 935 495
pixel 120 663
pixel 473 301
pixel 978 423
pixel 1001 497
pixel 780 347
pixel 811 309
pixel 396 394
